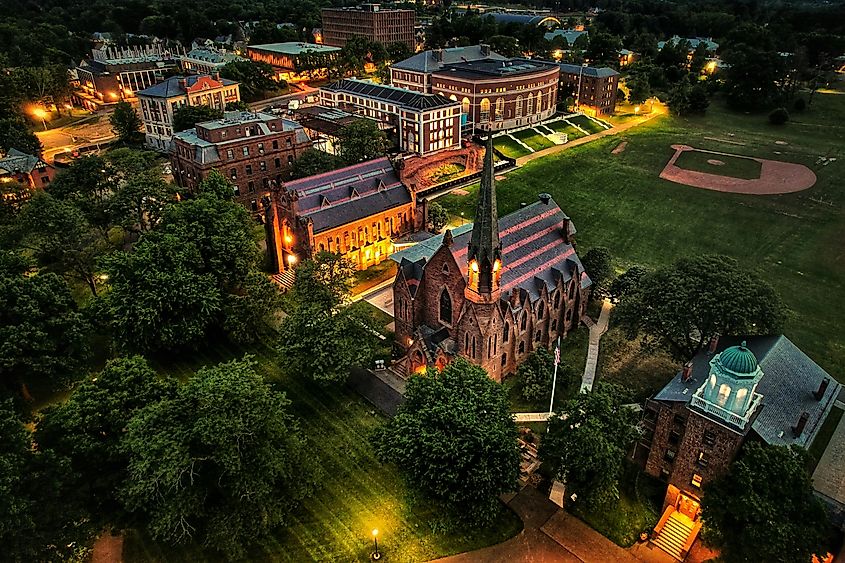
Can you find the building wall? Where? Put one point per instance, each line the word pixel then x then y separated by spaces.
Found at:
pixel 385 26
pixel 597 96
pixel 285 65
pixel 411 80
pixel 502 104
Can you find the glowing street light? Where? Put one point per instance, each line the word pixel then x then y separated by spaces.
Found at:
pixel 42 115
pixel 376 553
pixel 636 109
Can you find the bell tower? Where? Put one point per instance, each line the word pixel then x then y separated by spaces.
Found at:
pixel 484 258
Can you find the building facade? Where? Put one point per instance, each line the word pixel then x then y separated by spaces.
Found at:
pixel 357 211
pixel 31 171
pixel 295 61
pixel 593 88
pixel 492 291
pixel 207 60
pixel 254 151
pixel 500 94
pixel 760 388
pixel 369 21
pixel 159 102
pixel 425 123
pixel 414 73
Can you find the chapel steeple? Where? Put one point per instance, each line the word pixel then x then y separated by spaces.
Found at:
pixel 484 257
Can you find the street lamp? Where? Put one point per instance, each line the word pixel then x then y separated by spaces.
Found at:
pixel 376 553
pixel 42 115
pixel 462 218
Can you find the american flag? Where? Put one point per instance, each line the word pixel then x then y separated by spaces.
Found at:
pixel 557 353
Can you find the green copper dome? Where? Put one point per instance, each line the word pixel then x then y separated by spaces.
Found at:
pixel 739 359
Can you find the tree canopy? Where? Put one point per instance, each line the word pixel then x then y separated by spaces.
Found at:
pixel 764 508
pixel 680 307
pixel 187 116
pixel 362 140
pixel 598 264
pixel 454 441
pixel 312 162
pixel 537 371
pixel 125 122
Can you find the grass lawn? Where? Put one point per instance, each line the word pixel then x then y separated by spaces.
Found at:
pixel 562 126
pixel 640 498
pixel 509 147
pixel 793 240
pixel 733 166
pixel 822 439
pixel 533 139
pixel 374 275
pixel 357 493
pixel 586 124
pixel 624 362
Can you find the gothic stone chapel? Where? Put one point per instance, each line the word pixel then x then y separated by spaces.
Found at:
pixel 491 291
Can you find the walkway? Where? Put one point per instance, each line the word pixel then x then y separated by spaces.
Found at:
pixel 596 331
pixel 557 148
pixel 531 416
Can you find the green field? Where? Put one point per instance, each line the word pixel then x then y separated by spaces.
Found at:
pixel 793 240
pixel 586 124
pixel 356 493
pixel 562 126
pixel 533 139
pixel 733 166
pixel 509 147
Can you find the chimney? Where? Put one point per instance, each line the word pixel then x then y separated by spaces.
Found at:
pixel 183 84
pixel 437 55
pixel 822 388
pixel 216 75
pixel 545 198
pixel 802 422
pixel 485 49
pixel 714 343
pixel 686 373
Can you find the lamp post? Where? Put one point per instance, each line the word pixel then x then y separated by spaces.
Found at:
pixel 42 115
pixel 376 553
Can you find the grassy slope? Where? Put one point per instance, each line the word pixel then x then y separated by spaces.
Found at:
pixel 794 240
pixel 509 147
pixel 533 139
pixel 357 492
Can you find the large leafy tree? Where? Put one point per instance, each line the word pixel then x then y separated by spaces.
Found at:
pixel 187 116
pixel 255 78
pixel 756 73
pixel 314 161
pixel 222 463
pixel 15 134
pixel 598 264
pixel 680 307
pixel 536 373
pixel 87 184
pixel 764 508
pixel 438 217
pixel 43 337
pixel 362 140
pixel 321 336
pixel 140 201
pixel 586 444
pixel 125 122
pixel 454 440
pixel 89 427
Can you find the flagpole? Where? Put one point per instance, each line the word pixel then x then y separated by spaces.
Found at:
pixel 554 377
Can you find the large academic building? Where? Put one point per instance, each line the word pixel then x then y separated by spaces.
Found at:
pixel 370 21
pixel 492 291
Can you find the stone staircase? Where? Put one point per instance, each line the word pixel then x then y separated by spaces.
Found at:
pixel 673 536
pixel 529 463
pixel 285 279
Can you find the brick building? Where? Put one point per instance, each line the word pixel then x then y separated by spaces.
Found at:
pixel 371 22
pixel 159 102
pixel 761 388
pixel 254 151
pixel 424 123
pixel 492 291
pixel 500 94
pixel 414 73
pixel 594 88
pixel 356 211
pixel 294 61
pixel 32 171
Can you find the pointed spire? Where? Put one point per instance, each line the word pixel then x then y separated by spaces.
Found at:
pixel 485 249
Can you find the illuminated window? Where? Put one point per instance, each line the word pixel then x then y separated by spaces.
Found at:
pixel 724 393
pixel 703 459
pixel 696 480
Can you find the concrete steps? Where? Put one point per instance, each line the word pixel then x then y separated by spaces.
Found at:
pixel 285 279
pixel 674 535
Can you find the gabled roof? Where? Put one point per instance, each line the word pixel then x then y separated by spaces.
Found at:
pixel 426 61
pixel 597 72
pixel 173 86
pixel 789 380
pixel 17 162
pixel 399 96
pixel 342 196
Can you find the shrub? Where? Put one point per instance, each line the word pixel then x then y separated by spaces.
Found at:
pixel 778 116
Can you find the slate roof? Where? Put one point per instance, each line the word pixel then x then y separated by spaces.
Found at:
pixel 172 87
pixel 211 56
pixel 534 252
pixel 400 96
pixel 341 196
pixel 598 72
pixel 693 42
pixel 294 48
pixel 17 162
pixel 571 35
pixel 425 61
pixel 498 68
pixel 789 380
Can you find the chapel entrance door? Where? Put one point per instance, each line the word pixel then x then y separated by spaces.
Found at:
pixel 688 506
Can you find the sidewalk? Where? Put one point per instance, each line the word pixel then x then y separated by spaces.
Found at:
pixel 596 331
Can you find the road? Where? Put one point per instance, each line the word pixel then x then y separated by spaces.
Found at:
pixel 92 129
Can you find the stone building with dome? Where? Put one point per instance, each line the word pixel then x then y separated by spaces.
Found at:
pixel 756 388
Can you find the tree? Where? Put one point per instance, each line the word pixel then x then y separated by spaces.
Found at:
pixel 756 72
pixel 187 116
pixel 125 122
pixel 586 444
pixel 438 217
pixel 312 162
pixel 87 184
pixel 603 48
pixel 454 441
pixel 89 427
pixel 196 472
pixel 598 264
pixel 778 116
pixel 505 45
pixel 639 89
pixel 256 78
pixel 679 98
pixel 43 337
pixel 139 202
pixel 362 140
pixel 682 306
pixel 250 310
pixel 321 337
pixel 764 508
pixel 626 282
pixel 698 99
pixel 15 134
pixel 536 373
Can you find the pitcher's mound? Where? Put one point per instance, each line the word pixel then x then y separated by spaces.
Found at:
pixel 776 177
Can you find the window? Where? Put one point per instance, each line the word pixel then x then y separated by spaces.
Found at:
pixel 500 109
pixel 541 310
pixel 261 148
pixel 724 393
pixel 708 438
pixel 557 299
pixel 680 420
pixel 473 347
pixel 669 455
pixel 674 438
pixel 696 480
pixel 485 110
pixel 522 347
pixel 523 321
pixel 506 332
pixel 569 315
pixel 245 151
pixel 254 205
pixel 233 173
pixel 446 307
pixel 262 166
pixel 465 105
pixel 278 163
pixel 466 343
pixel 504 359
pixel 519 106
pixel 275 144
pixel 249 169
pixel 290 159
pixel 250 186
pixel 554 325
pixel 703 459
pixel 287 143
pixel 230 154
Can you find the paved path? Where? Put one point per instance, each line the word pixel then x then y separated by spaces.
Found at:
pixel 829 476
pixel 596 331
pixel 531 416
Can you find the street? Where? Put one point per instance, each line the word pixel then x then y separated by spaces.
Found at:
pixel 91 129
